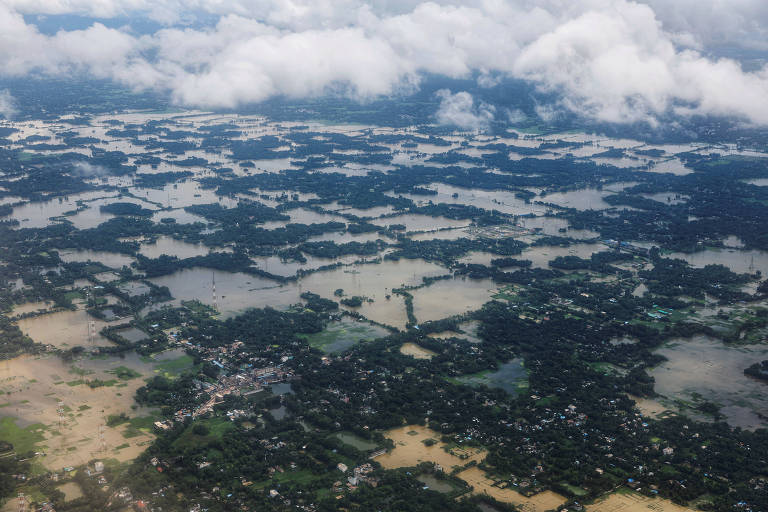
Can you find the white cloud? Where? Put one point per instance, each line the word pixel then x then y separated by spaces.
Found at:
pixel 461 110
pixel 515 116
pixel 86 169
pixel 7 104
pixel 612 60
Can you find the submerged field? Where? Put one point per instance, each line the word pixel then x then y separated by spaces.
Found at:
pixel 49 407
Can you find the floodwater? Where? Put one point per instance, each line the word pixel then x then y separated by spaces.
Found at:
pixel 511 377
pixel 179 215
pixel 340 335
pixel 31 307
pixel 132 334
pixel 355 441
pixel 739 261
pixel 275 265
pixel 237 292
pixel 707 367
pixel 416 351
pixel 343 237
pixel 109 259
pixel 482 485
pixel 583 199
pixel 500 200
pixel 470 332
pixel 419 222
pixel 443 234
pixel 553 225
pixel 34 386
pixel 38 214
pixel 634 502
pixel 448 297
pixel 181 194
pixel 434 484
pixel 172 247
pixel 410 450
pixel 65 329
pixel 540 256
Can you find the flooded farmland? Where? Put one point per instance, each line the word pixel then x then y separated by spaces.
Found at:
pixel 706 368
pixel 416 351
pixel 448 297
pixel 634 502
pixel 352 233
pixel 37 388
pixel 64 329
pixel 410 450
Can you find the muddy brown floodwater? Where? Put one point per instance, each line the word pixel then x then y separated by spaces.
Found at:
pixel 625 501
pixel 35 388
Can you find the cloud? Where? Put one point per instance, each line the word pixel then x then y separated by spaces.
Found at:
pixel 8 107
pixel 461 110
pixel 610 60
pixel 86 169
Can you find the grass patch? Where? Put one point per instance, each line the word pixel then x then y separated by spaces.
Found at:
pixel 215 430
pixel 576 491
pixel 22 439
pixel 341 335
pixel 79 371
pixel 124 373
pixel 176 366
pixel 73 295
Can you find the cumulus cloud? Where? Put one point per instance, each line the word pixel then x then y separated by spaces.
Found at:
pixel 7 104
pixel 461 110
pixel 611 60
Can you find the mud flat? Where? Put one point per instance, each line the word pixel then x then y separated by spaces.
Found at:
pixel 633 502
pixel 483 485
pixel 410 450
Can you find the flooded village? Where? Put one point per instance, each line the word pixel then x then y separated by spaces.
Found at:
pixel 330 297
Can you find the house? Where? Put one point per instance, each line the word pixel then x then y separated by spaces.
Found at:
pixel 342 467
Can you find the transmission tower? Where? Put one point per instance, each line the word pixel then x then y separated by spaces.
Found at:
pixel 60 412
pixel 22 501
pixel 213 291
pixel 91 332
pixel 102 439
